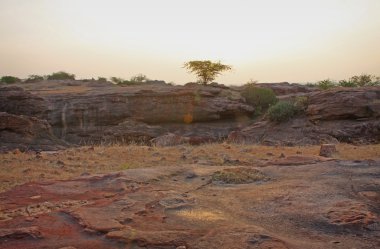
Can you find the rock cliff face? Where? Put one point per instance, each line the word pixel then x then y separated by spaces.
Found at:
pixel 27 133
pixel 345 103
pixel 17 101
pixel 348 115
pixel 87 113
pixel 123 114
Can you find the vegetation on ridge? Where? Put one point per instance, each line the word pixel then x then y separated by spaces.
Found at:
pixel 259 97
pixel 206 71
pixel 355 81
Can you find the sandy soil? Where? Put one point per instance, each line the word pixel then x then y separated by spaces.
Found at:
pixel 17 167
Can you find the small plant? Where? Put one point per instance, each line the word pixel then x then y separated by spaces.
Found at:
pixel 347 83
pixel 251 81
pixel 102 79
pixel 117 80
pixel 282 111
pixel 206 71
pixel 310 84
pixel 140 78
pixel 259 97
pixel 34 78
pixel 9 80
pixel 61 76
pixel 239 176
pixel 363 80
pixel 301 103
pixel 326 84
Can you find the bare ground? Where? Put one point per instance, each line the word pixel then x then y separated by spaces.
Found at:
pixel 209 196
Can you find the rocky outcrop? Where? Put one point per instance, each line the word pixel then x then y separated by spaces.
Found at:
pixel 78 117
pixel 348 115
pixel 16 100
pixel 286 88
pixel 26 133
pixel 82 114
pixel 301 131
pixel 344 103
pixel 298 131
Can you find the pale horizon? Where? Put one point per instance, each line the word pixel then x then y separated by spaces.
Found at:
pixel 271 41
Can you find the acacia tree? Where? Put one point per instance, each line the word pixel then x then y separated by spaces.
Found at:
pixel 206 71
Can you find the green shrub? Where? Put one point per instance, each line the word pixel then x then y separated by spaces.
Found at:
pixel 282 111
pixel 363 80
pixel 140 78
pixel 61 76
pixel 260 98
pixel 34 78
pixel 310 84
pixel 374 83
pixel 301 103
pixel 117 80
pixel 102 79
pixel 326 84
pixel 347 83
pixel 9 79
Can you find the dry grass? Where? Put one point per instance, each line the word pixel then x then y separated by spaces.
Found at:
pixel 238 176
pixel 18 168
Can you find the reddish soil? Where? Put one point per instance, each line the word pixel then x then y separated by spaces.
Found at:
pixel 302 203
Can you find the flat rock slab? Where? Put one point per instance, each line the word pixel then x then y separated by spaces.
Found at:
pixel 314 204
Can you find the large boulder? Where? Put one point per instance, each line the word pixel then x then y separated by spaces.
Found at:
pixel 16 100
pixel 344 103
pixel 348 115
pixel 301 131
pixel 27 133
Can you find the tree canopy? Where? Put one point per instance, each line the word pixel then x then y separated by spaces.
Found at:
pixel 61 75
pixel 9 79
pixel 206 71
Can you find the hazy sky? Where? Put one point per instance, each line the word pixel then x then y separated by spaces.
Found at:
pixel 266 40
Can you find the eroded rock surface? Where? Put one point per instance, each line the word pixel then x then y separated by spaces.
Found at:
pixel 345 103
pixel 82 112
pixel 27 133
pixel 349 115
pixel 326 204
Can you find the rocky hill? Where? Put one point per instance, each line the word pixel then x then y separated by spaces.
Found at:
pixel 64 113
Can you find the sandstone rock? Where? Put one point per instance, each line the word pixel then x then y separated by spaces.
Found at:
pixel 301 131
pixel 327 150
pixel 145 208
pixel 15 100
pixel 27 133
pixel 298 131
pixel 94 112
pixel 344 103
pixel 86 113
pixel 285 88
pixel 351 214
pixel 129 131
pixel 33 232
